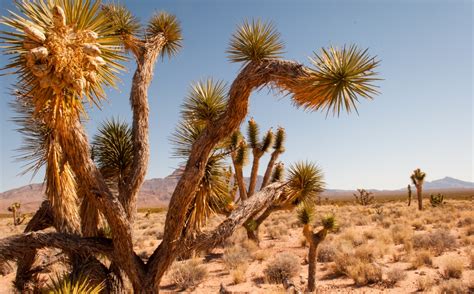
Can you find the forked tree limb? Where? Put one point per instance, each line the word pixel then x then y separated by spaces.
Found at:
pixel 279 73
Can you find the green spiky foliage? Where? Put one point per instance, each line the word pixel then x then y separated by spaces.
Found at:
pixel 436 200
pixel 278 172
pixel 67 285
pixel 329 222
pixel 168 25
pixel 305 182
pixel 267 141
pixel 336 80
pixel 204 103
pixel 125 23
pixel 418 177
pixel 279 141
pixel 113 150
pixel 364 197
pixel 253 134
pixel 305 214
pixel 255 41
pixel 242 154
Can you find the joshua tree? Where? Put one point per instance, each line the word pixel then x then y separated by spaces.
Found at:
pixel 409 194
pixel 64 53
pixel 417 178
pixel 305 216
pixel 364 197
pixel 16 214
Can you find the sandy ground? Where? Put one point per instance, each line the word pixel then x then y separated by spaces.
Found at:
pixel 388 233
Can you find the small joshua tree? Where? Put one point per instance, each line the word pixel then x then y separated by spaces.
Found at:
pixel 436 200
pixel 418 178
pixel 409 194
pixel 305 216
pixel 16 214
pixel 364 198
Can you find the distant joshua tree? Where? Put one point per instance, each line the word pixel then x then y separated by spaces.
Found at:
pixel 409 194
pixel 65 53
pixel 16 214
pixel 364 197
pixel 306 216
pixel 418 178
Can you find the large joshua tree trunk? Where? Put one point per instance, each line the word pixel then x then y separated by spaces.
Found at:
pixel 419 191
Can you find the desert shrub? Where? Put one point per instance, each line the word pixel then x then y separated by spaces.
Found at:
pixel 364 273
pixel 283 266
pixel 326 252
pixel 386 223
pixel 369 234
pixel 452 287
pixel 394 276
pixel 239 274
pixel 470 230
pixel 418 225
pixel 452 268
pixel 424 283
pixel 353 236
pixel 421 258
pixel 401 233
pixel 235 256
pixel 189 273
pixel 467 221
pixel 438 241
pixel 365 253
pixel 471 260
pixel 275 232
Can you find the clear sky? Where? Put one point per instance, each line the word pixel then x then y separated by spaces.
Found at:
pixel 422 118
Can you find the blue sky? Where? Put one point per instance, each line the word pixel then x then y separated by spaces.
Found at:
pixel 422 118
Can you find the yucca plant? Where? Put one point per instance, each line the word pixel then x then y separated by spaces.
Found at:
pixel 17 217
pixel 67 285
pixel 436 200
pixel 418 178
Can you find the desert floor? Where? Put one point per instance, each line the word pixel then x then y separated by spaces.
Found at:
pixel 389 248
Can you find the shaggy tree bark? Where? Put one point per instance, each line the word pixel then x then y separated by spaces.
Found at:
pixel 239 177
pixel 419 191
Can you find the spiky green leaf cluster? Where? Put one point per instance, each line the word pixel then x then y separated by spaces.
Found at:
pixel 305 182
pixel 242 154
pixel 113 149
pixel 278 172
pixel 329 222
pixel 67 285
pixel 337 80
pixel 253 133
pixel 255 41
pixel 267 141
pixel 279 141
pixel 305 214
pixel 205 102
pixel 125 23
pixel 418 177
pixel 168 25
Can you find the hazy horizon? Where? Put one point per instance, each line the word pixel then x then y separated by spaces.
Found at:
pixel 422 118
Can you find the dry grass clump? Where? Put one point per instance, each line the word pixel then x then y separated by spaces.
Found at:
pixel 470 230
pixel 400 234
pixel 438 241
pixel 235 256
pixel 188 273
pixel 276 232
pixel 364 273
pixel 467 221
pixel 452 268
pixel 326 252
pixel 424 283
pixel 421 258
pixel 353 236
pixel 471 259
pixel 239 274
pixel 283 266
pixel 394 276
pixel 452 287
pixel 418 225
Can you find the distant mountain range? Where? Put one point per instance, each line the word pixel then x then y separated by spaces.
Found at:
pixel 157 192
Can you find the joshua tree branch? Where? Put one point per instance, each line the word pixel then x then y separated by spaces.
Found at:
pixel 239 177
pixel 257 154
pixel 268 171
pixel 146 60
pixel 15 247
